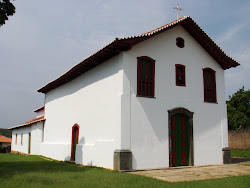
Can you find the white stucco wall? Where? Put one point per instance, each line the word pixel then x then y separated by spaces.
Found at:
pixel 147 118
pixel 93 101
pixel 36 138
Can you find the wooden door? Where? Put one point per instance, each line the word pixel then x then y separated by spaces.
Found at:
pixel 29 143
pixel 179 140
pixel 75 135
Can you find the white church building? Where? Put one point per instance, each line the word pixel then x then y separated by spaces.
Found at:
pixel 154 100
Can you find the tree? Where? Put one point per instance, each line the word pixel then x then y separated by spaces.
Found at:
pixel 6 9
pixel 238 110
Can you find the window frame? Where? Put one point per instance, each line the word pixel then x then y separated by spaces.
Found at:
pixel 180 42
pixel 21 139
pixel 184 75
pixel 16 139
pixel 214 99
pixel 139 79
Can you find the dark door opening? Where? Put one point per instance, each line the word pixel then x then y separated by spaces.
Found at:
pixel 179 140
pixel 180 137
pixel 29 143
pixel 75 135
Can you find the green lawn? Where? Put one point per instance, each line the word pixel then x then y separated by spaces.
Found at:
pixel 36 171
pixel 240 153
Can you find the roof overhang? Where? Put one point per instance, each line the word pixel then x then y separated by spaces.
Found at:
pixel 125 44
pixel 35 120
pixel 39 109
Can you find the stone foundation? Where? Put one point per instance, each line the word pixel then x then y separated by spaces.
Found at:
pixel 122 160
pixel 226 155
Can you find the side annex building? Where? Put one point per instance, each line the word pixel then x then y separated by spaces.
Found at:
pixel 154 100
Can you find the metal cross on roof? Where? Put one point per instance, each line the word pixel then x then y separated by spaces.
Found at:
pixel 177 8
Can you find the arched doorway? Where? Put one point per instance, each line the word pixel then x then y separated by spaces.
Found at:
pixel 75 135
pixel 180 137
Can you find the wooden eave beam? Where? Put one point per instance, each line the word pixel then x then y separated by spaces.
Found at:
pixel 206 43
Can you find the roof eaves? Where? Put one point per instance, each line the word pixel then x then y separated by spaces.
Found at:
pixel 219 55
pixel 38 109
pixel 30 123
pixel 113 48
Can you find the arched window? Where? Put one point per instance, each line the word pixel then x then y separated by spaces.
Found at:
pixel 145 76
pixel 209 85
pixel 180 75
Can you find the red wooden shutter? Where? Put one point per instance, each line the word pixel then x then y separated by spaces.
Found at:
pixel 145 77
pixel 180 75
pixel 209 85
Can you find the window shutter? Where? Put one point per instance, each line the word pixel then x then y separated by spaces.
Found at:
pixel 209 85
pixel 145 77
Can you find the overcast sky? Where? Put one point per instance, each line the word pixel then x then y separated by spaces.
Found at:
pixel 46 38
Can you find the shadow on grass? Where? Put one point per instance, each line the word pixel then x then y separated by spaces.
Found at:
pixel 235 160
pixel 8 169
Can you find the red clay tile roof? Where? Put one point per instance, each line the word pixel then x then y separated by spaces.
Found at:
pixel 35 120
pixel 5 139
pixel 41 108
pixel 126 43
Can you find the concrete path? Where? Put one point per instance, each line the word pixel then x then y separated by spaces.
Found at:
pixel 198 173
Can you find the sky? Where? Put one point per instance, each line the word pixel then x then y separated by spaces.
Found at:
pixel 44 39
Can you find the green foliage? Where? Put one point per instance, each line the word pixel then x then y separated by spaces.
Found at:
pixel 6 9
pixel 238 110
pixel 5 132
pixel 36 171
pixel 240 153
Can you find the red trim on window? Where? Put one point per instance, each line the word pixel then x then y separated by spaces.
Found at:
pixel 146 86
pixel 182 74
pixel 77 136
pixel 180 42
pixel 210 94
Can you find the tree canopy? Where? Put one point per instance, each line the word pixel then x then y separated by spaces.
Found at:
pixel 238 110
pixel 6 9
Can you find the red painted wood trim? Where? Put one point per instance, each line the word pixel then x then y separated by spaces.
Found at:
pixel 176 75
pixel 139 79
pixel 215 92
pixel 214 99
pixel 173 123
pixel 173 157
pixel 178 39
pixel 183 123
pixel 183 157
pixel 77 137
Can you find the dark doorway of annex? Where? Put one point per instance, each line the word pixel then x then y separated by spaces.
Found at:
pixel 29 143
pixel 75 135
pixel 180 137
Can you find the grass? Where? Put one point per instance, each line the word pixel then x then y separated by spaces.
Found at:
pixel 240 153
pixel 36 171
